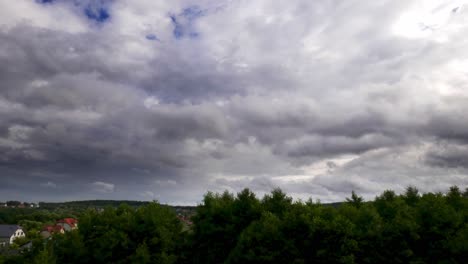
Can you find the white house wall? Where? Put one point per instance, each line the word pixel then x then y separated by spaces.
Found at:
pixel 18 233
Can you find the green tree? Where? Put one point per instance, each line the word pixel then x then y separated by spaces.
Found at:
pixel 277 202
pixel 45 256
pixel 411 195
pixel 407 228
pixel 455 197
pixel 355 200
pixel 260 242
pixel 219 221
pixel 438 224
pixel 148 234
pixel 142 255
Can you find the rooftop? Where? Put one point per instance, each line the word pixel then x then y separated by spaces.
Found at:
pixel 8 230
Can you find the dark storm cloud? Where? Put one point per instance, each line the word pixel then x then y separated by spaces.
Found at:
pixel 450 126
pixel 227 98
pixel 448 155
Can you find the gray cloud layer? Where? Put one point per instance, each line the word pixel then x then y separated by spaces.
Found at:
pixel 319 98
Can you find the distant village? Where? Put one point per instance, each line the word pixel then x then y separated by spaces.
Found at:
pixel 18 204
pixel 60 227
pixel 10 232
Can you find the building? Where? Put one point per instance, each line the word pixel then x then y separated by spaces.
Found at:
pixel 68 223
pixel 48 231
pixel 60 227
pixel 8 233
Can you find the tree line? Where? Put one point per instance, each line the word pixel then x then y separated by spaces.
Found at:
pixel 242 228
pixel 90 204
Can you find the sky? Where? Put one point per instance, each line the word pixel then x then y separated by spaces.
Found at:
pixel 166 100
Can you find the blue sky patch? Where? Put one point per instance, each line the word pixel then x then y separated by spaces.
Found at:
pixel 100 14
pixel 96 10
pixel 183 22
pixel 152 37
pixel 178 31
pixel 192 12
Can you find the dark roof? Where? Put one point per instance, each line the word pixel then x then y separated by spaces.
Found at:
pixel 8 230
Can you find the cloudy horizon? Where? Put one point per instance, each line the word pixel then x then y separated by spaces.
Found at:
pixel 166 100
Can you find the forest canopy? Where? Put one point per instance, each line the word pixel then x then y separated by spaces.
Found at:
pixel 242 228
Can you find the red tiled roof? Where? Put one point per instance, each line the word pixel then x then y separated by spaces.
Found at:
pixel 52 229
pixel 70 221
pixel 59 228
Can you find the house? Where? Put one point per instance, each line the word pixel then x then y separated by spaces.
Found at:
pixel 60 227
pixel 49 230
pixel 68 223
pixel 8 233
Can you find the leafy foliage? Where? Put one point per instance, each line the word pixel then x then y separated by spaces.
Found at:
pixel 241 228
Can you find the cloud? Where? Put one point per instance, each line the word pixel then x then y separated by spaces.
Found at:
pixel 57 17
pixel 447 155
pixel 318 98
pixel 148 195
pixel 103 187
pixel 167 183
pixel 49 184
